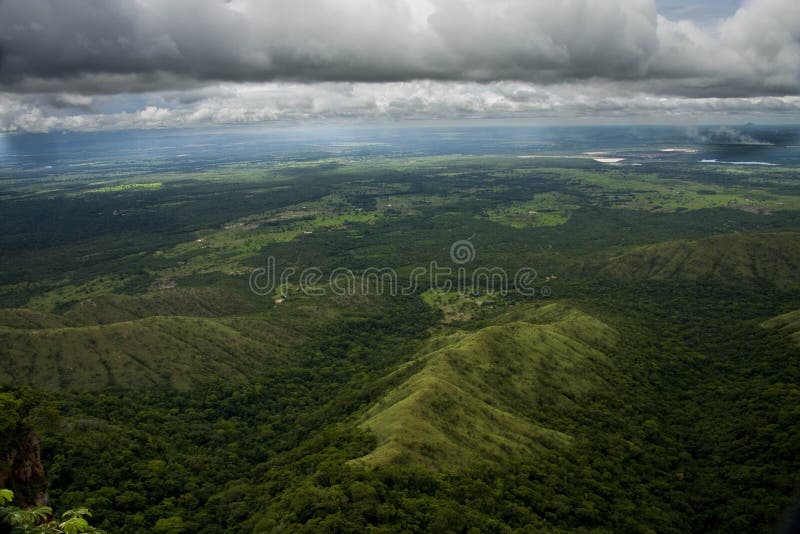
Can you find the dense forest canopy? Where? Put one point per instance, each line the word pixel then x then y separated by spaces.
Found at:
pixel 649 382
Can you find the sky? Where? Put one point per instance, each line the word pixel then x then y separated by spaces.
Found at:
pixel 703 13
pixel 123 64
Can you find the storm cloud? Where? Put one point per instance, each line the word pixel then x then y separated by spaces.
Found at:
pixel 111 45
pixel 468 53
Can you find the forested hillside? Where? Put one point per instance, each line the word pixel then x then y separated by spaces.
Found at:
pixel 643 377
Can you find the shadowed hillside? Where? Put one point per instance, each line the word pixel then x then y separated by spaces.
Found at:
pixel 192 302
pixel 131 342
pixel 772 258
pixel 479 394
pixel 113 308
pixel 157 351
pixel 788 323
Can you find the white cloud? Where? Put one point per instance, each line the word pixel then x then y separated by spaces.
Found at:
pixel 254 103
pixel 72 63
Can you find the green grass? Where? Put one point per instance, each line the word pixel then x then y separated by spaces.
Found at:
pixel 24 318
pixel 231 249
pixel 127 187
pixel 174 339
pixel 226 221
pixel 153 352
pixel 772 258
pixel 788 323
pixel 654 192
pixel 188 302
pixel 67 292
pixel 546 209
pixel 458 307
pixel 477 395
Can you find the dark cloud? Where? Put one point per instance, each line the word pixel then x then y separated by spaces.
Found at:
pixel 750 136
pixel 727 135
pixel 110 46
pixel 101 64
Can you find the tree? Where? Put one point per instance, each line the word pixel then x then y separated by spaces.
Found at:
pixel 39 519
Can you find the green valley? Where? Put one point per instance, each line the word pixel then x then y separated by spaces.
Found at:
pixel 641 377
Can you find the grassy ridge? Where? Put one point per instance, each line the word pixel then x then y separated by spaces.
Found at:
pixel 24 318
pixel 173 338
pixel 477 395
pixel 772 258
pixel 193 302
pixel 160 338
pixel 788 323
pixel 156 351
